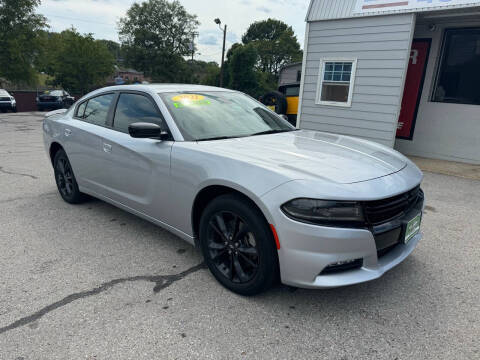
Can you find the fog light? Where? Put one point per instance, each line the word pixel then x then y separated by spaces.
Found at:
pixel 340 266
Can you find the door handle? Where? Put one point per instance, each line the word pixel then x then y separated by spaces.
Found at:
pixel 68 132
pixel 107 148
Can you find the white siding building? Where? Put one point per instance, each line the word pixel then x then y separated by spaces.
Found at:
pixel 402 73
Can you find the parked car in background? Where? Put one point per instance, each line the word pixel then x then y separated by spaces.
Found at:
pixel 54 99
pixel 7 102
pixel 260 198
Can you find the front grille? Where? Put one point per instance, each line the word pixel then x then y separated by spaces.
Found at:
pixel 4 99
pixel 385 251
pixel 380 211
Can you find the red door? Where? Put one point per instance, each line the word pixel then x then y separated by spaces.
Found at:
pixel 413 88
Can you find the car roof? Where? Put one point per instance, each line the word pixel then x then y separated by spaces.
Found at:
pixel 163 88
pixel 4 92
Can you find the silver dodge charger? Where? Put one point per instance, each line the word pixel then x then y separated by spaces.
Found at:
pixel 260 198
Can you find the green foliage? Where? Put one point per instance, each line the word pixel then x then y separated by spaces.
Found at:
pixel 243 76
pixel 78 63
pixel 276 44
pixel 253 66
pixel 115 49
pixel 19 42
pixel 156 34
pixel 204 73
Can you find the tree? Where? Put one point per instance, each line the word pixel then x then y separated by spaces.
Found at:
pixel 242 73
pixel 115 49
pixel 19 46
pixel 276 44
pixel 156 34
pixel 79 63
pixel 202 72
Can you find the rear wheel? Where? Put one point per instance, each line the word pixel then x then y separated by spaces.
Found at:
pixel 65 179
pixel 238 245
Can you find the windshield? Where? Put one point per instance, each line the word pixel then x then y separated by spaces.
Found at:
pixel 220 115
pixel 55 93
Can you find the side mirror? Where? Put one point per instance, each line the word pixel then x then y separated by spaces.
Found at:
pixel 143 130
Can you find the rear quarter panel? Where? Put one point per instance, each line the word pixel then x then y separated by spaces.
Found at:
pixel 53 130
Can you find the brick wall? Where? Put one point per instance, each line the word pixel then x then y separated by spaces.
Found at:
pixel 25 100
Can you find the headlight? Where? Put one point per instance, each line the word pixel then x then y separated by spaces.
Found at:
pixel 324 212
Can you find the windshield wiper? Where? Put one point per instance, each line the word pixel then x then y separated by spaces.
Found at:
pixel 272 132
pixel 218 138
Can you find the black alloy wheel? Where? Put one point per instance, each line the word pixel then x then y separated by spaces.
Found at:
pixel 232 247
pixel 65 179
pixel 238 245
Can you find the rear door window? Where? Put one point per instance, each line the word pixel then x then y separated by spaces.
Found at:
pixel 132 108
pixel 97 108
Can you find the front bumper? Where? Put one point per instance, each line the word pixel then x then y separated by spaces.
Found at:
pixel 308 252
pixel 314 248
pixel 8 105
pixel 311 249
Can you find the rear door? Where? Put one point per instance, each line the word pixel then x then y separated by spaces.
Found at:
pixel 83 140
pixel 136 171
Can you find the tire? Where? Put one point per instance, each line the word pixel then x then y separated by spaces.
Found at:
pixel 64 177
pixel 39 108
pixel 242 256
pixel 277 99
pixel 14 109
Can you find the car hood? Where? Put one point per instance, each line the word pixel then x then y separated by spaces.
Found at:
pixel 312 155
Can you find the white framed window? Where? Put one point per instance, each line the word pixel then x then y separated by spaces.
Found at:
pixel 335 82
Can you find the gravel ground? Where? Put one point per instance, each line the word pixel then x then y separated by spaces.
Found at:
pixel 94 282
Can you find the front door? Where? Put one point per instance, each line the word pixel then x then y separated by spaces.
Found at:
pixel 413 88
pixel 136 171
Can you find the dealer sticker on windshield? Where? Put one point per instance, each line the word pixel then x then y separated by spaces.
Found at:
pixel 182 100
pixel 413 227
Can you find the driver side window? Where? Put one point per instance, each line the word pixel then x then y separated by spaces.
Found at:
pixel 132 108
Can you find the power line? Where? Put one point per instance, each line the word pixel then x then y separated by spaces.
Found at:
pixel 83 20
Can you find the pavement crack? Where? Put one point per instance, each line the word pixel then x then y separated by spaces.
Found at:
pixel 16 173
pixel 161 282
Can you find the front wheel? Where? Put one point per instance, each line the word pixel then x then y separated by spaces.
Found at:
pixel 65 179
pixel 238 245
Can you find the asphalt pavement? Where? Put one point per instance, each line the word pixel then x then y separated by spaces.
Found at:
pixel 93 282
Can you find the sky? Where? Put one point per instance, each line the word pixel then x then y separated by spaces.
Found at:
pixel 100 17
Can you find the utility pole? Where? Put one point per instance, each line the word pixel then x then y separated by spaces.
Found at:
pixel 192 48
pixel 192 45
pixel 218 22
